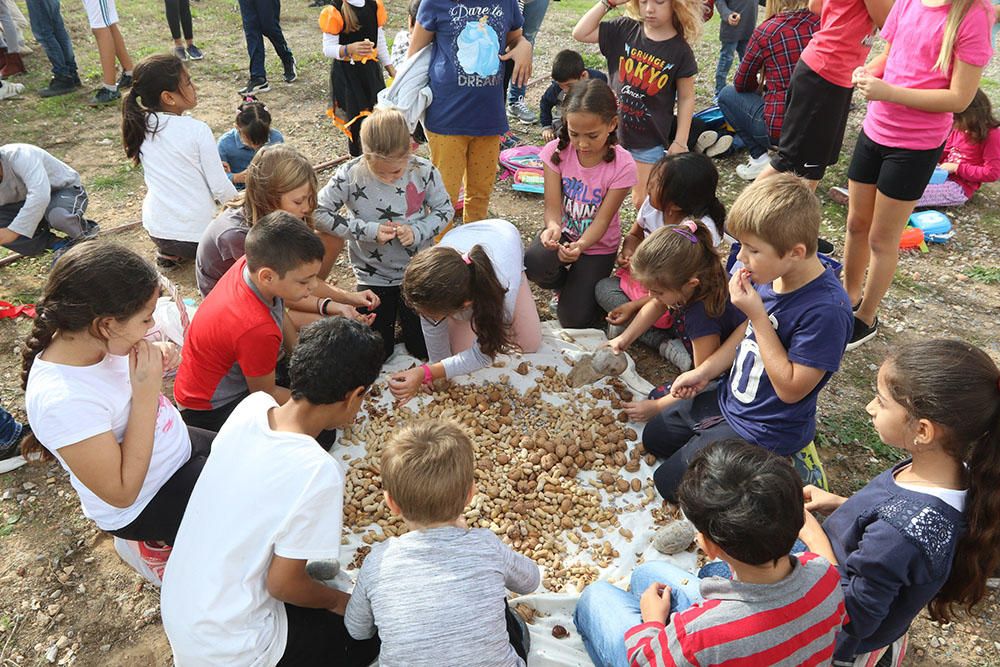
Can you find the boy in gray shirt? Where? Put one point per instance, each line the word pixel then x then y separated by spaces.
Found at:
pixel 436 595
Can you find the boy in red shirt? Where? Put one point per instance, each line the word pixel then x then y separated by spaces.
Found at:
pixel 234 342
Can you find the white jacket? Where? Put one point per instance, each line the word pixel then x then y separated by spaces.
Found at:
pixel 410 91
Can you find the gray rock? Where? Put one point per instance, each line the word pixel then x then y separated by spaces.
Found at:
pixel 674 537
pixel 323 570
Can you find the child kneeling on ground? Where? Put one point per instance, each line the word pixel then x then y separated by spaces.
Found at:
pixel 799 324
pixel 779 609
pixel 236 591
pixel 436 594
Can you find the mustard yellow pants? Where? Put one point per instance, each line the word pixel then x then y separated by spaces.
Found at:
pixel 472 159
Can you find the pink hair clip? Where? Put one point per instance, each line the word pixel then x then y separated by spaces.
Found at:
pixel 465 258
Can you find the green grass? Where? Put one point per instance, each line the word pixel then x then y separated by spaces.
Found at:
pixel 989 275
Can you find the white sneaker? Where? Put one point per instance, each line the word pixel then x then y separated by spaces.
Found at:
pixel 674 351
pixel 706 139
pixel 9 89
pixel 724 143
pixel 753 167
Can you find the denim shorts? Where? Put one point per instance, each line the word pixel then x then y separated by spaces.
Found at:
pixel 650 155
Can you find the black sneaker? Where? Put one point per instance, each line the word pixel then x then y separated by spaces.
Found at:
pixel 194 53
pixel 124 81
pixel 824 246
pixel 59 85
pixel 255 86
pixel 862 333
pixel 291 74
pixel 104 96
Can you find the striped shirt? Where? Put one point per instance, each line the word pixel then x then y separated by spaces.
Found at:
pixel 793 622
pixel 775 47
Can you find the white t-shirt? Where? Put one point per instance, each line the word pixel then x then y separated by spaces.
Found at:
pixel 650 218
pixel 261 493
pixel 185 180
pixel 502 243
pixel 69 404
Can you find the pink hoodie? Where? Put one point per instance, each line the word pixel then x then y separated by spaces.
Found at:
pixel 977 163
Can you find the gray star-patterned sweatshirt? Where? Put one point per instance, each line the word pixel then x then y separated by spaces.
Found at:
pixel 354 203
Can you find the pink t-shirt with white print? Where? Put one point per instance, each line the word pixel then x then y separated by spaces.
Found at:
pixel 915 32
pixel 584 190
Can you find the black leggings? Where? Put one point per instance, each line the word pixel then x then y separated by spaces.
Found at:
pixel 319 637
pixel 161 517
pixel 392 307
pixel 178 16
pixel 578 306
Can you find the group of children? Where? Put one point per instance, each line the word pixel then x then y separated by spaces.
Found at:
pixel 232 485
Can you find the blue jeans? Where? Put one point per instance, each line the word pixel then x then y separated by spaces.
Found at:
pixel 47 25
pixel 726 62
pixel 262 18
pixel 745 112
pixel 534 12
pixel 10 429
pixel 605 612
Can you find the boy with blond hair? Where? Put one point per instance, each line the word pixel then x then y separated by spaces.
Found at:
pixel 800 320
pixel 436 595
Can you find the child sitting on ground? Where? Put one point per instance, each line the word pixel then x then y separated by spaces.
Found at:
pixel 800 322
pixel 681 188
pixel 39 192
pixel 251 132
pixel 567 69
pixel 436 594
pixel 587 176
pixel 235 339
pixel 236 591
pixel 185 179
pixel 395 204
pixel 686 281
pixel 779 609
pixel 925 533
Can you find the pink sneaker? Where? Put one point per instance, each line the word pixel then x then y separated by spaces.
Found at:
pixel 155 555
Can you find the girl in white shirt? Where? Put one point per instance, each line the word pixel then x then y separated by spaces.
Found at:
pixel 93 394
pixel 185 179
pixel 473 300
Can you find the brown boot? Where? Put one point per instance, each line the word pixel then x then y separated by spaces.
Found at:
pixel 13 66
pixel 3 57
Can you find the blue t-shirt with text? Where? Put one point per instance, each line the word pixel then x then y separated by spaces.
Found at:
pixel 814 324
pixel 466 73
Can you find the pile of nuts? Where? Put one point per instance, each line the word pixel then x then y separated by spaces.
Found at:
pixel 542 460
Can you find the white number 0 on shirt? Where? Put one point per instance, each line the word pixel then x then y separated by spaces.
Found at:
pixel 749 369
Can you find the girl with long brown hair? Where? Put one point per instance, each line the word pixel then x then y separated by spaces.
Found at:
pixel 936 514
pixel 474 302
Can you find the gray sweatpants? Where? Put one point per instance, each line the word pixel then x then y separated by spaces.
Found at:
pixel 609 295
pixel 64 214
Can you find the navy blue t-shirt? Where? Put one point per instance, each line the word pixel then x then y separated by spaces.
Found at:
pixel 697 323
pixel 466 73
pixel 814 324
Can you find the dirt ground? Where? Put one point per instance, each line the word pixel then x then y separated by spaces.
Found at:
pixel 65 598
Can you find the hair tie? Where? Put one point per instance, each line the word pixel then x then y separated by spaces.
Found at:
pixel 466 259
pixel 687 230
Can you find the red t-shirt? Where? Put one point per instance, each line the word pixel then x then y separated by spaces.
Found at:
pixel 845 36
pixel 235 334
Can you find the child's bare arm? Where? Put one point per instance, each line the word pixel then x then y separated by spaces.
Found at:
pixel 955 98
pixel 419 38
pixel 649 312
pixel 266 383
pixel 685 112
pixel 878 10
pixel 588 27
pixel 287 581
pixel 552 212
pixel 630 243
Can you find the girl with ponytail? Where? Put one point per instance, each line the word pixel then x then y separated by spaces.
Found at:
pixel 937 514
pixel 185 179
pixel 93 394
pixel 473 300
pixel 682 187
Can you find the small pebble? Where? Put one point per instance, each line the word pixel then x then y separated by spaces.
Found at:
pixel 559 632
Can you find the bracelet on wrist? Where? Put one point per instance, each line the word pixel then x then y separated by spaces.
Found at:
pixel 428 377
pixel 679 144
pixel 607 5
pixel 321 306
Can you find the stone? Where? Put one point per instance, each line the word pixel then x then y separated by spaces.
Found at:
pixel 323 570
pixel 674 537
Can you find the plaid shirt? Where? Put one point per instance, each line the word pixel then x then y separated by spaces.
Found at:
pixel 775 47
